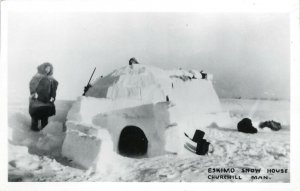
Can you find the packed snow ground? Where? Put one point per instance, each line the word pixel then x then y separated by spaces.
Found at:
pixel 37 156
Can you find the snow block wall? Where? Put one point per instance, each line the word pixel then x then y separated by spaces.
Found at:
pixel 145 117
pixel 139 110
pixel 85 128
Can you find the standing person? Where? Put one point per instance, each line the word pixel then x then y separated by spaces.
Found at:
pixel 42 96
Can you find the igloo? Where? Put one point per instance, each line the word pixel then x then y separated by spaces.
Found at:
pixel 139 111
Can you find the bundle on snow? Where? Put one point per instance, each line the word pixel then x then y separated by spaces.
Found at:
pixel 275 126
pixel 245 126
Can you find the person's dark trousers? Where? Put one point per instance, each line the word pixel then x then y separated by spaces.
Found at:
pixel 34 124
pixel 44 121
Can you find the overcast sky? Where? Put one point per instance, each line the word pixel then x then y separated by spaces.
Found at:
pixel 248 54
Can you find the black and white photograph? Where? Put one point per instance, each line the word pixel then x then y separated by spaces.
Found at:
pixel 96 96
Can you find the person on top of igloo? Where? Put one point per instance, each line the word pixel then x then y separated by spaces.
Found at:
pixel 133 60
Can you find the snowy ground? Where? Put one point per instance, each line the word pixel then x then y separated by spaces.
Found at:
pixel 36 156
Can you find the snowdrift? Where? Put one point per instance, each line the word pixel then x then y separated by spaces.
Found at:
pixel 139 111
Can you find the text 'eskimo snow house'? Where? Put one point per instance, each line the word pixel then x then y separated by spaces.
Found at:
pixel 139 110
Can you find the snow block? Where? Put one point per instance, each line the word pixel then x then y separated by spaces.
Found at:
pixel 81 148
pixel 51 141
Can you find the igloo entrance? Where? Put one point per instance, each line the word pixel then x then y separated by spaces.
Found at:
pixel 132 142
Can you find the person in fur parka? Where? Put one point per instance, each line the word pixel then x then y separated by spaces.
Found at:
pixel 42 96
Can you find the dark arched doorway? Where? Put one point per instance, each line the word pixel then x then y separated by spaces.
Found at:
pixel 132 142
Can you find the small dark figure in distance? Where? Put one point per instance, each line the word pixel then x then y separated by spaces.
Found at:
pixel 167 98
pixel 245 126
pixel 42 96
pixel 133 61
pixel 203 75
pixel 275 126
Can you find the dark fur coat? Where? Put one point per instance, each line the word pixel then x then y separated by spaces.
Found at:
pixel 43 84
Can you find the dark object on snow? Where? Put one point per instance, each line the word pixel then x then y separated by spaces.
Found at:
pixel 87 87
pixel 204 75
pixel 133 61
pixel 198 136
pixel 167 98
pixel 275 126
pixel 245 126
pixel 202 145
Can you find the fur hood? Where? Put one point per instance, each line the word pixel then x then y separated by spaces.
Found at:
pixel 41 69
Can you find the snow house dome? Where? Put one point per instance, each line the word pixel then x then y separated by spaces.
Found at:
pixel 139 110
pixel 136 82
